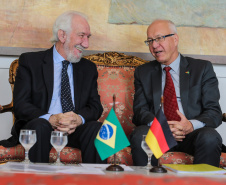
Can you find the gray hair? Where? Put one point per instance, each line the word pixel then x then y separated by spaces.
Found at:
pixel 63 22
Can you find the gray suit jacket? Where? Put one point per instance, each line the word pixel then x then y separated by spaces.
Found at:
pixel 199 92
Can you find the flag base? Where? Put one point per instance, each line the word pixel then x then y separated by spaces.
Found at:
pixel 158 169
pixel 114 167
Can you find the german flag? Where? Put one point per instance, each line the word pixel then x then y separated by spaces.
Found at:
pixel 160 138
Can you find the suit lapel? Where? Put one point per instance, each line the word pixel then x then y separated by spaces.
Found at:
pixel 184 83
pixel 156 78
pixel 48 74
pixel 78 80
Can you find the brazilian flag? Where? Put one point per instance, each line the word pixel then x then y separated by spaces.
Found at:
pixel 111 138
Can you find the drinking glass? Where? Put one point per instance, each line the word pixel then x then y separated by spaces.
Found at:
pixel 27 139
pixel 59 141
pixel 148 151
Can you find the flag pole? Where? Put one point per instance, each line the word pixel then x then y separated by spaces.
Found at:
pixel 159 169
pixel 114 167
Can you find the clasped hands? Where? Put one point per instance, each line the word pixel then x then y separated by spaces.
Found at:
pixel 65 122
pixel 180 128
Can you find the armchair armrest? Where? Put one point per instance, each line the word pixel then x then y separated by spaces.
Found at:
pixel 6 108
pixel 12 74
pixel 224 117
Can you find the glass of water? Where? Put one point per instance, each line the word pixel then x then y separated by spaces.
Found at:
pixel 59 141
pixel 147 150
pixel 27 139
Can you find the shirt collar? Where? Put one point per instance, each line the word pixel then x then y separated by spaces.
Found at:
pixel 174 65
pixel 57 58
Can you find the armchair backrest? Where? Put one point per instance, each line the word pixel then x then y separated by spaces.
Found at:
pixel 116 76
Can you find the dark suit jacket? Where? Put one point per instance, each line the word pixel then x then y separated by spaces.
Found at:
pixel 198 89
pixel 34 88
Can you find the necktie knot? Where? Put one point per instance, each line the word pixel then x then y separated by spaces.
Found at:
pixel 167 69
pixel 65 64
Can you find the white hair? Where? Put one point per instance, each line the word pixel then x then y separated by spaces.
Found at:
pixel 63 22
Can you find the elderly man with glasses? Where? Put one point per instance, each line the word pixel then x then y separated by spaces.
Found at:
pixel 190 91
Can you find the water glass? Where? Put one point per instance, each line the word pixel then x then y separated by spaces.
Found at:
pixel 58 141
pixel 147 150
pixel 27 139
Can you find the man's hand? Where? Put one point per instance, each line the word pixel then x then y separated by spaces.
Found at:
pixel 180 128
pixel 54 120
pixel 69 122
pixel 66 122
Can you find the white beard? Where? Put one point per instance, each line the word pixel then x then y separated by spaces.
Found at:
pixel 72 58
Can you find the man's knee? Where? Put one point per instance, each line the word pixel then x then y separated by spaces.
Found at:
pixel 39 124
pixel 209 137
pixel 137 135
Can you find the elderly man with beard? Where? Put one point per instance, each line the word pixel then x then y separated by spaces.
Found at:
pixel 38 94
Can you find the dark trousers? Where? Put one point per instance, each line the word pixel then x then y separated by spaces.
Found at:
pixel 82 138
pixel 204 144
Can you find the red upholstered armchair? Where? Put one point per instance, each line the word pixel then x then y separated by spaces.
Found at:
pixel 116 76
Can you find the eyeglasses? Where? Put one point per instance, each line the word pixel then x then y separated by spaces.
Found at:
pixel 157 40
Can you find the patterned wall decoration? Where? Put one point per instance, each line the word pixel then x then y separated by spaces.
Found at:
pixel 203 13
pixel 27 24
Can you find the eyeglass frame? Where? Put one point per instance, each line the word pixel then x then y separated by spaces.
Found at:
pixel 157 40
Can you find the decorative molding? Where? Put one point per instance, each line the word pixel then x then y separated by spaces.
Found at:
pixel 17 51
pixel 115 59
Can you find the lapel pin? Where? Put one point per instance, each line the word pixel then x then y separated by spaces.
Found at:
pixel 187 72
